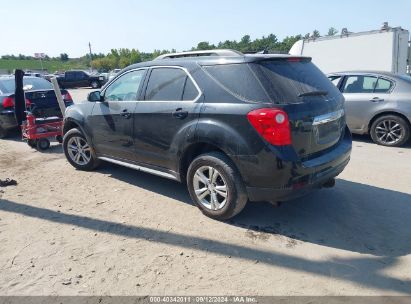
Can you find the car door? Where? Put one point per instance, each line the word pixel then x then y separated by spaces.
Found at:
pixel 360 100
pixel 112 118
pixel 168 112
pixel 69 79
pixel 83 79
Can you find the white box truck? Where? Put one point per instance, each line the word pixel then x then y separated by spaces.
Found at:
pixel 381 50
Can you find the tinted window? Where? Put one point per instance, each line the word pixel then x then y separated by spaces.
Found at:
pixel 166 84
pixel 190 91
pixel 383 86
pixel 360 84
pixel 125 87
pixel 286 80
pixel 238 80
pixel 32 83
pixel 70 75
pixel 335 79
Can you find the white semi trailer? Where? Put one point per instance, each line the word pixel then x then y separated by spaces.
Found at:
pixel 381 50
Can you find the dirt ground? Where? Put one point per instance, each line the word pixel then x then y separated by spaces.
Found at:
pixel 116 231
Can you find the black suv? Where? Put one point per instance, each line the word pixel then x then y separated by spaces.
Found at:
pixel 234 127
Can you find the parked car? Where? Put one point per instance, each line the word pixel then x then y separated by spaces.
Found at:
pixel 76 79
pixel 377 103
pixel 40 98
pixel 233 127
pixel 113 73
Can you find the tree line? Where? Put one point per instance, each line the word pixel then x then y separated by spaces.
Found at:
pixel 120 58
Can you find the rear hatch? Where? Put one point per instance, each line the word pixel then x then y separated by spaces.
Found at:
pixel 314 105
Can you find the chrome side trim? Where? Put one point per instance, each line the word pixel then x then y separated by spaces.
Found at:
pixel 322 119
pixel 139 168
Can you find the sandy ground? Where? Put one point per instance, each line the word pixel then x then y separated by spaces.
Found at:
pixel 116 231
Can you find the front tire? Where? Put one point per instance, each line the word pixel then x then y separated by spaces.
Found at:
pixel 95 84
pixel 216 186
pixel 390 130
pixel 78 151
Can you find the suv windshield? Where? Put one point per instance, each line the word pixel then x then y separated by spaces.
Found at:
pixel 278 81
pixel 29 84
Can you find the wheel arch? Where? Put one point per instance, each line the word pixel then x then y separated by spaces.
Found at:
pixel 70 123
pixel 375 117
pixel 194 150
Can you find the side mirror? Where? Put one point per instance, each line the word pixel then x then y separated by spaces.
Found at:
pixel 94 96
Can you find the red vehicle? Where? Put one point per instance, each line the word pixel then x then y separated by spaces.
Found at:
pixel 38 131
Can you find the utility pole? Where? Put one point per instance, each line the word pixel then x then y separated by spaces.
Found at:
pixel 89 47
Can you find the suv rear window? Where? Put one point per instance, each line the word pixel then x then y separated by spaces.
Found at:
pixel 278 81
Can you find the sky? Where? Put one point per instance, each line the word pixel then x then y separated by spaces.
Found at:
pixel 57 26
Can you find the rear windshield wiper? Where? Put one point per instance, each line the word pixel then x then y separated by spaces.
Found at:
pixel 313 93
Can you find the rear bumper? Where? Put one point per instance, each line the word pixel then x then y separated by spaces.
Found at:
pixel 7 120
pixel 308 175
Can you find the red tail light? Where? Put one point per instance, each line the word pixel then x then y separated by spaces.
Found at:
pixel 67 97
pixel 272 124
pixel 8 102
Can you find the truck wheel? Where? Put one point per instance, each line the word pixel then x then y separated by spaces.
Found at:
pixel 95 84
pixel 216 186
pixel 78 151
pixel 3 133
pixel 390 130
pixel 43 144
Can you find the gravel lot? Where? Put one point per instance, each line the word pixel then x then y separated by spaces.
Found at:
pixel 116 231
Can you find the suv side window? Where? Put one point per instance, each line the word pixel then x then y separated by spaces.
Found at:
pixel 125 87
pixel 383 86
pixel 82 75
pixel 190 91
pixel 335 79
pixel 170 84
pixel 70 75
pixel 360 84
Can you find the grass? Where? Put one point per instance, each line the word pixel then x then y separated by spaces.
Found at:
pixel 34 64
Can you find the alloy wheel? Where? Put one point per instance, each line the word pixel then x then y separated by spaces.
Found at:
pixel 210 188
pixel 389 132
pixel 79 150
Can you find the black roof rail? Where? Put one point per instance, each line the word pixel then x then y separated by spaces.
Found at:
pixel 224 53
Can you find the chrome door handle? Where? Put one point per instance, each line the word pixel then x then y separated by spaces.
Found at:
pixel 126 114
pixel 180 114
pixel 376 99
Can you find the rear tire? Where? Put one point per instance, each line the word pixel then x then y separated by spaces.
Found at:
pixel 390 131
pixel 79 152
pixel 218 192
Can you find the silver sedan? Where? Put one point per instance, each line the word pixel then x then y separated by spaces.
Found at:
pixel 377 103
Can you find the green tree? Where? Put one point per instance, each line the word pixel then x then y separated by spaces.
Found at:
pixel 64 57
pixel 332 31
pixel 316 34
pixel 204 45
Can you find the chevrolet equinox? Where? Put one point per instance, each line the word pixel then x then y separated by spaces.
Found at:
pixel 233 127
